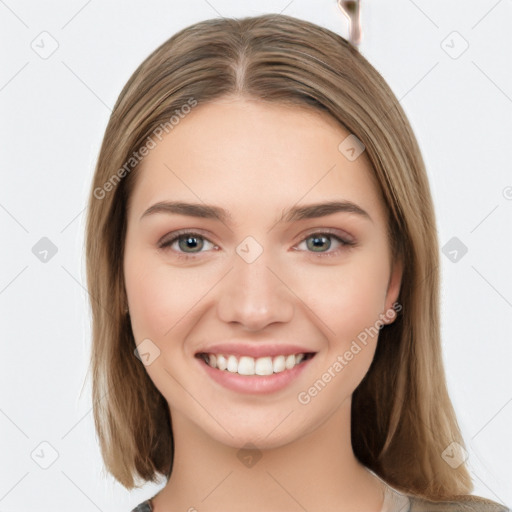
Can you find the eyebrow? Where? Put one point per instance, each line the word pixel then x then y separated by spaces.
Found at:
pixel 295 213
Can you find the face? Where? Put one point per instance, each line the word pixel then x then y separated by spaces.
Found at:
pixel 255 274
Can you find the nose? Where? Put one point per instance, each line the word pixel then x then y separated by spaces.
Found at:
pixel 254 295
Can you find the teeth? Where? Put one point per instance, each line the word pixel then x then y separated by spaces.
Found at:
pixel 264 366
pixel 222 363
pixel 232 364
pixel 245 365
pixel 249 366
pixel 279 364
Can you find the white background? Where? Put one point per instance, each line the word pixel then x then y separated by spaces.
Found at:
pixel 53 115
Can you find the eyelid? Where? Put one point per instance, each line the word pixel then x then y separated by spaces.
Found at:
pixel 168 239
pixel 338 233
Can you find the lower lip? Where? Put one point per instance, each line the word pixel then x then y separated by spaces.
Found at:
pixel 254 384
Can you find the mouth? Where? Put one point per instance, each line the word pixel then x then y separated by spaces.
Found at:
pixel 250 366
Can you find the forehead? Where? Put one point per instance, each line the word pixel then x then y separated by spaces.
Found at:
pixel 252 154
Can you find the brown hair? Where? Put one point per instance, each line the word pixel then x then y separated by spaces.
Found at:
pixel 402 417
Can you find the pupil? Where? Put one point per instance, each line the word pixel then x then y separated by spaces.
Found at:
pixel 190 242
pixel 318 242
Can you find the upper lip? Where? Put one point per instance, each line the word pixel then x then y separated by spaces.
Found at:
pixel 254 350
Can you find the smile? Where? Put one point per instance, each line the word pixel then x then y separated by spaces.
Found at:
pixel 246 365
pixel 261 375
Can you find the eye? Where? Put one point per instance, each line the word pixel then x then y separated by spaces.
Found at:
pixel 322 242
pixel 187 242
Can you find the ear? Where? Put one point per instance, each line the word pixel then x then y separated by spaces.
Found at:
pixel 393 291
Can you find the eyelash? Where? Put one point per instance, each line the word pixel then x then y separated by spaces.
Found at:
pixel 166 244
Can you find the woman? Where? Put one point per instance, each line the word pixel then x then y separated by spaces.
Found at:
pixel 263 262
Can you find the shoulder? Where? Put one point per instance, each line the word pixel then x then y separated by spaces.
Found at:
pixel 145 506
pixel 463 504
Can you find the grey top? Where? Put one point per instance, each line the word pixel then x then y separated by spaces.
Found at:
pixel 394 501
pixel 145 506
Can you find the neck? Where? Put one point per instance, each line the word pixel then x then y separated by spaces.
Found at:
pixel 315 472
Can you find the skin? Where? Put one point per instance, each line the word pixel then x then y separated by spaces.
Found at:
pixel 255 160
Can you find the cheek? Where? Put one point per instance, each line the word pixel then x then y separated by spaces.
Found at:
pixel 346 298
pixel 162 297
pixel 153 298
